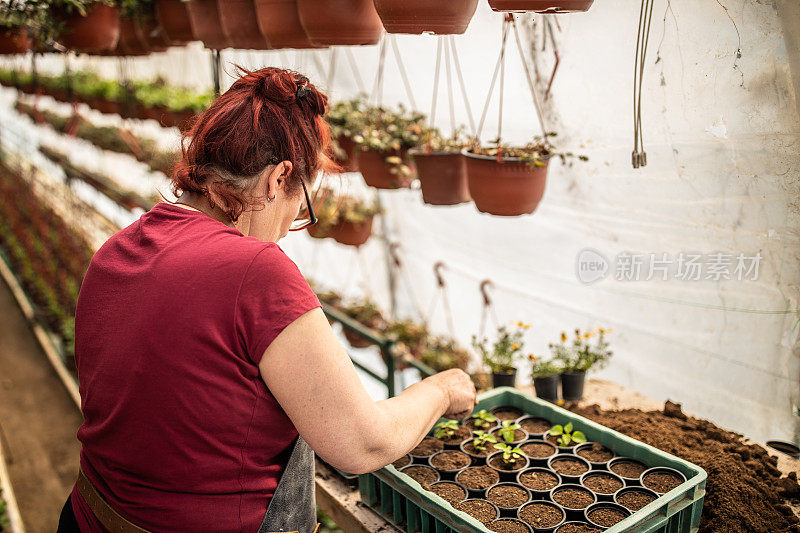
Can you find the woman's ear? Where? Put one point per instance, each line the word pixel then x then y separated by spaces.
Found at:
pixel 277 178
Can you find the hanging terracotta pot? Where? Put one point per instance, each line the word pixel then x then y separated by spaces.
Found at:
pixel 240 24
pixel 350 162
pixel 132 37
pixel 355 340
pixel 14 41
pixel 351 233
pixel 98 30
pixel 508 187
pixel 279 22
pixel 206 26
pixel 541 6
pixel 155 35
pixel 173 17
pixel 442 176
pixel 419 16
pixel 377 172
pixel 340 22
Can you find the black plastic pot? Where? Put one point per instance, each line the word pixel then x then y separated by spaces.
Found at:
pixel 504 379
pixel 596 465
pixel 474 493
pixel 466 493
pixel 785 447
pixel 603 505
pixel 572 513
pixel 423 459
pixel 446 475
pixel 629 481
pixel 539 461
pixel 477 460
pixel 537 435
pixel 602 496
pixel 563 527
pixel 501 521
pixel 572 385
pixel 507 475
pixel 661 470
pixel 547 387
pixel 568 478
pixel 509 512
pixel 544 502
pixel 540 494
pixel 628 490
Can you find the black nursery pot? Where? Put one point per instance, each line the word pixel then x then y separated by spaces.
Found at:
pixel 628 490
pixel 572 385
pixel 573 513
pixel 504 379
pixel 590 512
pixel 676 478
pixel 547 387
pixel 507 475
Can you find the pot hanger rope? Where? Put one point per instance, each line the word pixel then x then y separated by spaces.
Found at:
pixel 457 65
pixel 331 71
pixel 639 156
pixel 398 267
pixel 487 306
pixel 446 46
pixel 377 88
pixel 441 290
pixel 356 72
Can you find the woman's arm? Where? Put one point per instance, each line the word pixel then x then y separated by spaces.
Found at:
pixel 310 374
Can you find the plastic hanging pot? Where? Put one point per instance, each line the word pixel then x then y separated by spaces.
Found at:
pixel 97 30
pixel 547 387
pixel 206 26
pixel 340 22
pixel 424 16
pixel 442 176
pixel 572 385
pixel 173 17
pixel 505 187
pixel 352 233
pixel 240 24
pixel 279 22
pixel 132 40
pixel 14 41
pixel 541 6
pixel 378 173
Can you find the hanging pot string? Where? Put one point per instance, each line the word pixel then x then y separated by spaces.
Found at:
pixel 639 157
pixel 445 44
pixel 331 71
pixel 377 87
pixel 457 65
pixel 548 31
pixel 441 291
pixel 488 306
pixel 500 60
pixel 409 287
pixel 529 77
pixel 356 72
pixel 436 71
pixel 403 74
pixel 450 90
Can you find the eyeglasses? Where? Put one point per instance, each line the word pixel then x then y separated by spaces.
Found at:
pixel 306 216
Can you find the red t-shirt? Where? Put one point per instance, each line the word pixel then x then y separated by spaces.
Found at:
pixel 174 314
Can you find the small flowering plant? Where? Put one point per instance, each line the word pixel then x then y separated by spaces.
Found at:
pixel 536 153
pixel 542 368
pixel 506 349
pixel 434 141
pixel 588 350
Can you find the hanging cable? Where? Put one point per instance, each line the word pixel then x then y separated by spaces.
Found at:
pixel 494 80
pixel 403 75
pixel 354 68
pixel 377 87
pixel 528 76
pixel 638 156
pixel 487 306
pixel 450 98
pixel 457 65
pixel 441 290
pixel 331 71
pixel 436 80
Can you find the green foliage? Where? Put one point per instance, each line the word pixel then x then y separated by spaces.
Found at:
pixel 566 435
pixel 327 523
pixel 5 521
pixel 542 368
pixel 507 430
pixel 483 419
pixel 506 349
pixel 581 354
pixel 433 141
pixel 511 454
pixel 334 208
pixel 536 153
pixel 481 439
pixel 447 428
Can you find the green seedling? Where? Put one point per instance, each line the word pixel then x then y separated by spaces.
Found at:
pixel 482 439
pixel 510 453
pixel 446 429
pixel 483 419
pixel 507 431
pixel 566 435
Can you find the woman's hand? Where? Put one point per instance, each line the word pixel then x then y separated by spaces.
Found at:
pixel 459 389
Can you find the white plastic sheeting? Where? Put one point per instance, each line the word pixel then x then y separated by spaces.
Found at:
pixel 721 134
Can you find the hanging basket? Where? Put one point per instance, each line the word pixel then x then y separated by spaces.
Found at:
pixel 14 41
pixel 344 232
pixel 508 187
pixel 132 40
pixel 377 172
pixel 350 162
pixel 173 17
pixel 541 6
pixel 98 30
pixel 442 176
pixel 279 22
pixel 206 26
pixel 240 24
pixel 355 340
pixel 340 22
pixel 423 16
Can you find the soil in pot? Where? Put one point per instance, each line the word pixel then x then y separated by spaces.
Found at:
pixel 594 452
pixel 478 477
pixel 627 468
pixel 469 448
pixel 421 16
pixel 577 527
pixel 472 424
pixel 507 187
pixel 480 510
pixel 569 466
pixel 573 497
pixel 240 24
pixel 606 515
pixel 424 475
pixel 553 439
pixel 507 412
pixel 602 483
pixel 403 461
pixel 496 461
pixel 340 22
pixel 519 436
pixel 96 31
pixel 541 6
pixel 459 435
pixel 539 450
pixel 662 480
pixel 509 525
pixel 634 498
pixel 449 491
pixel 442 176
pixel 450 460
pixel 279 22
pixel 508 495
pixel 535 425
pixel 538 479
pixel 427 447
pixel 542 514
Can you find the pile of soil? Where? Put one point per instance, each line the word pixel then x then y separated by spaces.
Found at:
pixel 744 490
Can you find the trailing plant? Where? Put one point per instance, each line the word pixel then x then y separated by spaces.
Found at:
pixel 511 454
pixel 483 419
pixel 506 349
pixel 334 208
pixel 581 355
pixel 507 429
pixel 446 429
pixel 433 141
pixel 481 440
pixel 566 435
pixel 542 368
pixel 536 153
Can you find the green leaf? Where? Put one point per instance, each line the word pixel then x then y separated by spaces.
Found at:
pixel 578 437
pixel 556 430
pixel 568 428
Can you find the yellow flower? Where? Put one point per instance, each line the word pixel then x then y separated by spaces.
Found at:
pixel 563 337
pixel 532 357
pixel 519 324
pixel 515 346
pixel 587 335
pixel 560 402
pixel 526 326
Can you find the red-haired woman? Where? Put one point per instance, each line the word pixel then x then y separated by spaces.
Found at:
pixel 208 372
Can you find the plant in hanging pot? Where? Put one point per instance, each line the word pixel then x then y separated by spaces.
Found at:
pixel 442 168
pixel 578 357
pixel 541 6
pixel 502 354
pixel 86 25
pixel 507 180
pixel 340 22
pixel 423 16
pixel 240 23
pixel 13 31
pixel 443 354
pixel 185 104
pixel 173 17
pixel 346 119
pixel 368 314
pixel 205 23
pixel 546 376
pixel 345 219
pixel 279 22
pixel 383 143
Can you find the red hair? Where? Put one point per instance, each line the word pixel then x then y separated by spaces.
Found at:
pixel 267 115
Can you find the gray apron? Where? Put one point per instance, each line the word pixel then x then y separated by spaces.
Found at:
pixel 293 506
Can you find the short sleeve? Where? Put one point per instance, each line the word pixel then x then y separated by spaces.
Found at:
pixel 273 294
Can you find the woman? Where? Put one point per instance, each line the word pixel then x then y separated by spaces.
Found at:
pixel 202 352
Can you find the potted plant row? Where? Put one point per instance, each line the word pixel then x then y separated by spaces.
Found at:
pixel 345 219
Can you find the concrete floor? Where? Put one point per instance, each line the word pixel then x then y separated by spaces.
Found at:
pixel 38 422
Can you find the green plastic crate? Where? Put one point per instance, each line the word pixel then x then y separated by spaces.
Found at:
pixel 403 502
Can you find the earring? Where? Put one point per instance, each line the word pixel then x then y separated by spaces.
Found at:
pixel 270 198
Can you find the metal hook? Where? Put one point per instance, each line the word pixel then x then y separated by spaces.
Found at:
pixel 485 284
pixel 393 246
pixel 437 270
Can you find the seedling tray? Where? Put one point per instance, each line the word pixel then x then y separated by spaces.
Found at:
pixel 402 500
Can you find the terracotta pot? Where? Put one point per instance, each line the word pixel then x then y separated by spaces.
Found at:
pixel 279 22
pixel 351 233
pixel 356 340
pixel 132 39
pixel 155 36
pixel 508 187
pixel 418 16
pixel 98 30
pixel 173 16
pixel 182 119
pixel 350 161
pixel 442 176
pixel 240 24
pixel 206 26
pixel 14 41
pixel 340 22
pixel 377 173
pixel 542 6
pixel 160 114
